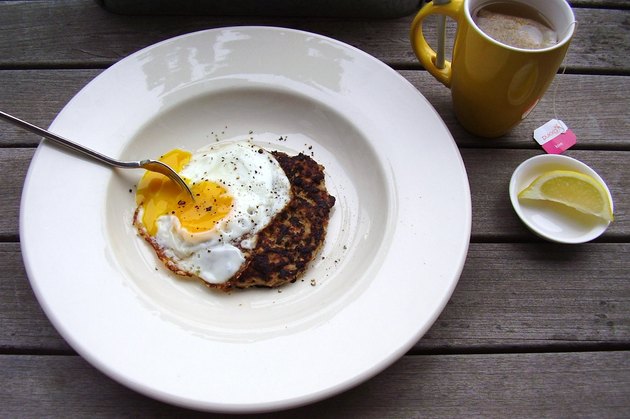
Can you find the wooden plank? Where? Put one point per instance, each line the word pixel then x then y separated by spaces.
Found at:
pixel 547 296
pixel 593 114
pixel 312 10
pixel 97 38
pixel 587 384
pixel 610 4
pixel 37 96
pixel 489 172
pixel 517 295
pixel 23 324
pixel 13 164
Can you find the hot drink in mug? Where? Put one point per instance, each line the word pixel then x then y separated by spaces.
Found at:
pixel 505 55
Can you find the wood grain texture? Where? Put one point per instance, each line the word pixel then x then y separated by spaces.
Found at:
pixel 611 4
pixel 586 384
pixel 594 107
pixel 533 329
pixel 13 164
pixel 23 324
pixel 549 297
pixel 546 296
pixel 599 122
pixel 36 96
pixel 30 35
pixel 489 172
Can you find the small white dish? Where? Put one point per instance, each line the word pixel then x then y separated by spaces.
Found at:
pixel 548 220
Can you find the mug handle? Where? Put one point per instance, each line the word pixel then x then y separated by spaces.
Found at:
pixel 423 51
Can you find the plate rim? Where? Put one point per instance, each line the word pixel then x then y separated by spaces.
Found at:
pixel 307 398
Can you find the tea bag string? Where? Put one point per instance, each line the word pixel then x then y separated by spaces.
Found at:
pixel 564 69
pixel 555 91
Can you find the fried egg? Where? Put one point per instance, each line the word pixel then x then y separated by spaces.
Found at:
pixel 238 188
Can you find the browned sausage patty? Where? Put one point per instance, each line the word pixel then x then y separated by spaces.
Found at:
pixel 288 244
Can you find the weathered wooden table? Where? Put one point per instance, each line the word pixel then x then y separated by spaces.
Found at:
pixel 532 329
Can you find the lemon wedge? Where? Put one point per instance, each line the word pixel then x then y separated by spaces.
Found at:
pixel 574 189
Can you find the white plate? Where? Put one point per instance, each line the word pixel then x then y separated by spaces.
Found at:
pixel 551 221
pixel 396 245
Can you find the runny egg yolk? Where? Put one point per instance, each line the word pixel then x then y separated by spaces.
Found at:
pixel 161 196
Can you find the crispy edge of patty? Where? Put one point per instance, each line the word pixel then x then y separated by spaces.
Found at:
pixel 292 239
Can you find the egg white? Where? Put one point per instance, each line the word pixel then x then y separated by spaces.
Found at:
pixel 259 189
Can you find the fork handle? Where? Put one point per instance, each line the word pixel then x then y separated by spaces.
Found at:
pixel 65 142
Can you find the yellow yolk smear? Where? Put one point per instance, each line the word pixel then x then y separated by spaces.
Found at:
pixel 160 196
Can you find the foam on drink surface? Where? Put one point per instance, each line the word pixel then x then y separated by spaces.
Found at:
pixel 516 31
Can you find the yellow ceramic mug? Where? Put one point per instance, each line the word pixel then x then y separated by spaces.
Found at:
pixel 493 85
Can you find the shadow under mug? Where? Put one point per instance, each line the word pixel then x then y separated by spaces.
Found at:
pixel 494 86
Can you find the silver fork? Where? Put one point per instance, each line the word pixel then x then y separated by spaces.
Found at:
pixel 150 165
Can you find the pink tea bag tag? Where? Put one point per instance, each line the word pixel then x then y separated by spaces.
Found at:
pixel 555 137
